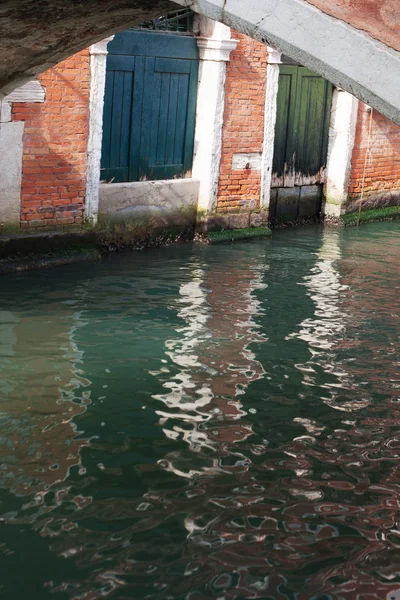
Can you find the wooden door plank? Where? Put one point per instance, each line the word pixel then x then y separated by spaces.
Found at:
pixel 190 119
pixel 155 124
pixel 136 119
pixel 126 117
pixel 148 117
pixel 116 119
pixel 179 145
pixel 149 44
pixel 286 83
pixel 107 112
pixel 327 119
pixel 163 119
pixel 172 118
pixel 172 65
pixel 292 131
pixel 120 63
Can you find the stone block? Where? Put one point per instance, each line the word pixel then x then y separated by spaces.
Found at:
pixel 173 194
pixel 213 223
pixel 248 204
pixel 239 221
pixel 241 161
pixel 259 219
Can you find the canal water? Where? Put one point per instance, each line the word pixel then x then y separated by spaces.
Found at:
pixel 205 422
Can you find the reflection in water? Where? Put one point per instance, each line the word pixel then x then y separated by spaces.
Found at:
pixel 39 379
pixel 205 422
pixel 215 363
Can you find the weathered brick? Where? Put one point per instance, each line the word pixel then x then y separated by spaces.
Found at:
pixel 379 170
pixel 55 145
pixel 243 124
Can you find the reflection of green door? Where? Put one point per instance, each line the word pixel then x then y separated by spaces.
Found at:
pixel 301 142
pixel 149 107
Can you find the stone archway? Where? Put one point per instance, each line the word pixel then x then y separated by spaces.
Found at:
pixel 354 49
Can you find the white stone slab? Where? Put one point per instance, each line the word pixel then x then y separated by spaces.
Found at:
pixel 151 196
pixel 242 161
pixel 33 91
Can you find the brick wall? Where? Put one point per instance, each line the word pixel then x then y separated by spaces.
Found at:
pixel 243 124
pixel 383 161
pixel 55 146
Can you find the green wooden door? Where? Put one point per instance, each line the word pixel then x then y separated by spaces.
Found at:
pixel 301 143
pixel 149 107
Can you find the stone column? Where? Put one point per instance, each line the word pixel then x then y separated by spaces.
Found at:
pixel 215 47
pixel 342 131
pixel 271 95
pixel 98 60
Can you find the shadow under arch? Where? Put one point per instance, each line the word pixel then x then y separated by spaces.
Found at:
pixel 34 37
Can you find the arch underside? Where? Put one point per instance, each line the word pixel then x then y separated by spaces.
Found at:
pixel 35 35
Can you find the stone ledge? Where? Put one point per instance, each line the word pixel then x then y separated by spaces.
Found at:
pixel 163 195
pixel 232 235
pixel 19 245
pixel 49 260
pixel 231 221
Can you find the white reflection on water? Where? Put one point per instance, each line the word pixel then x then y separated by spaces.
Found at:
pixel 211 360
pixel 325 289
pixel 326 329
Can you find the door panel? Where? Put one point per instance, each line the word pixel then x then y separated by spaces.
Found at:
pixel 284 123
pixel 313 103
pixel 301 141
pixel 117 114
pixel 159 95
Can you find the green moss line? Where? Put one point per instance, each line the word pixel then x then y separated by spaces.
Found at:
pixel 373 214
pixel 230 235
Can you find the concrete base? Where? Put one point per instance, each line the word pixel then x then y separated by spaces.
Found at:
pixel 148 196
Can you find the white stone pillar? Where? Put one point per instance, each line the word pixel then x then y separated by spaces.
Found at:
pixel 342 131
pixel 271 95
pixel 98 60
pixel 215 48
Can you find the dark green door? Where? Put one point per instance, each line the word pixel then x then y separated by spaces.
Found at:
pixel 301 143
pixel 149 107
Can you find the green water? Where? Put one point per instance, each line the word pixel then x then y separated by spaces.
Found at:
pixel 205 422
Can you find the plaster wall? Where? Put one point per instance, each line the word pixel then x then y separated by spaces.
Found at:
pixel 11 149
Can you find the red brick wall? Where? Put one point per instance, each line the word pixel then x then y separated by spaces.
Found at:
pixel 243 124
pixel 55 146
pixel 383 162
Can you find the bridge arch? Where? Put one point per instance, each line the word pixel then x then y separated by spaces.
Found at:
pixel 357 49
